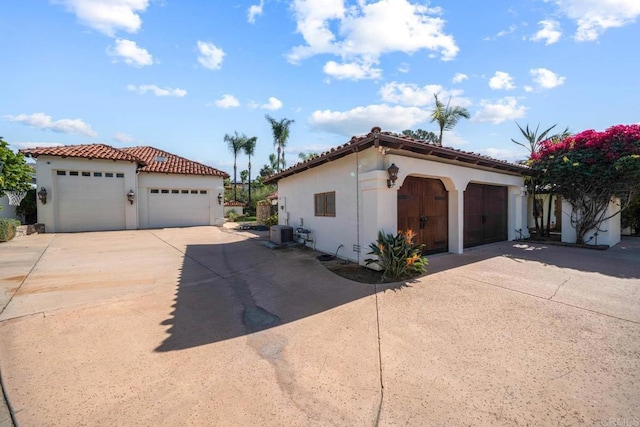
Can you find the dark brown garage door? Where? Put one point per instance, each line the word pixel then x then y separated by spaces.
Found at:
pixel 423 207
pixel 485 214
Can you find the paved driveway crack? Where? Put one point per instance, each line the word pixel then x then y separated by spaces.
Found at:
pixel 558 288
pixel 379 358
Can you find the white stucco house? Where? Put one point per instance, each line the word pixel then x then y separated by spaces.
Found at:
pixel 99 187
pixel 452 199
pixel 235 206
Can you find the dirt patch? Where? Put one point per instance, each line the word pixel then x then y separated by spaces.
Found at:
pixel 357 273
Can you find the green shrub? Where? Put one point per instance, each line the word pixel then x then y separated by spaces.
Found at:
pixel 397 255
pixel 8 228
pixel 232 215
pixel 272 220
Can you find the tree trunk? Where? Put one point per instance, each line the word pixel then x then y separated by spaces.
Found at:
pixel 235 179
pixel 249 204
pixel 550 206
pixel 278 164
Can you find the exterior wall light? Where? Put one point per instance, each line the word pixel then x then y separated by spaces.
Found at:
pixel 219 198
pixel 393 175
pixel 42 195
pixel 130 196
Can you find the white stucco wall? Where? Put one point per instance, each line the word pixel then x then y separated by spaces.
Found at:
pixel 296 201
pixel 364 204
pixel 8 211
pixel 212 184
pixel 610 229
pixel 46 167
pixel 239 210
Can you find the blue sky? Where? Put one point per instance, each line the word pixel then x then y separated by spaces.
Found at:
pixel 178 74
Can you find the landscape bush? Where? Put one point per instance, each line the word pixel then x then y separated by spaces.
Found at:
pixel 397 256
pixel 8 228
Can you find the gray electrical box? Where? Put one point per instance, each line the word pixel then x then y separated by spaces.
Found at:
pixel 281 234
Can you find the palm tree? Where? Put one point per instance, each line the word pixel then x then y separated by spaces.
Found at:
pixel 235 143
pixel 534 139
pixel 421 135
pixel 447 117
pixel 280 131
pixel 249 150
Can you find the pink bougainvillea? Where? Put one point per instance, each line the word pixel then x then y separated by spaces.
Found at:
pixel 589 169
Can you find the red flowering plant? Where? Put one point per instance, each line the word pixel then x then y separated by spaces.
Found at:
pixel 591 169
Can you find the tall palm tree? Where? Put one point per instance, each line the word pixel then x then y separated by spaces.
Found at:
pixel 249 149
pixel 235 143
pixel 280 131
pixel 447 117
pixel 307 156
pixel 534 139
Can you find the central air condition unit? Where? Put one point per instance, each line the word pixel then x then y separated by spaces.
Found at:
pixel 281 234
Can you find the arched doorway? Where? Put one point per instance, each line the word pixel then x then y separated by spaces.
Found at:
pixel 423 206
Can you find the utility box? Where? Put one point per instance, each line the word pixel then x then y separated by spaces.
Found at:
pixel 281 234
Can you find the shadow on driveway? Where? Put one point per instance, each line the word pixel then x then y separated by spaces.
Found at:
pixel 231 290
pixel 235 289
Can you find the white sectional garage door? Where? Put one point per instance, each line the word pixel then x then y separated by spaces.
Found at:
pixel 178 207
pixel 90 201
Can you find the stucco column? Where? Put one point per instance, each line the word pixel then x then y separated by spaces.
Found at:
pixel 517 213
pixel 456 220
pixel 378 209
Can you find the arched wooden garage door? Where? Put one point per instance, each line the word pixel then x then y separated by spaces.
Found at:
pixel 423 207
pixel 485 214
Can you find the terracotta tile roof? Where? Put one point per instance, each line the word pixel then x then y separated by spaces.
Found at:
pixel 386 141
pixel 234 203
pixel 89 151
pixel 159 161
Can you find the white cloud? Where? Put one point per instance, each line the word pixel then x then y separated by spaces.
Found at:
pixel 594 17
pixel 25 145
pixel 550 32
pixel 546 79
pixel 157 90
pixel 365 31
pixel 123 138
pixel 508 154
pixel 360 120
pixel 273 104
pixel 227 101
pixel 502 33
pixel 255 10
pixel 502 110
pixel 413 95
pixel 459 78
pixel 501 80
pixel 44 121
pixel 404 67
pixel 130 53
pixel 107 16
pixel 210 55
pixel 351 71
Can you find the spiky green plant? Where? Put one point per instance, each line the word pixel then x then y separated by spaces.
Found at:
pixel 397 255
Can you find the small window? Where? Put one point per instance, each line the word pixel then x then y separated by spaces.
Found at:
pixel 119 175
pixel 73 173
pixel 98 174
pixel 86 173
pixel 108 174
pixel 184 191
pixel 203 191
pixel 155 191
pixel 165 191
pixel 325 204
pixel 61 172
pixel 194 191
pixel 175 191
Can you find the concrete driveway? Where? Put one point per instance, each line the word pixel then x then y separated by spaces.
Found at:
pixel 204 326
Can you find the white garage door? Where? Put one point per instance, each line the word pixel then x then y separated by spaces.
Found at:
pixel 171 207
pixel 90 201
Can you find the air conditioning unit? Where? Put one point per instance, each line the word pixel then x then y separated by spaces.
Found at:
pixel 281 234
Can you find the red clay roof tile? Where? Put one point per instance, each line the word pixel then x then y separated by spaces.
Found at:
pixel 89 151
pixel 159 161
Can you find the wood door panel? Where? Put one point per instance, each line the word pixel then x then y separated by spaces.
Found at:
pixel 485 214
pixel 423 206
